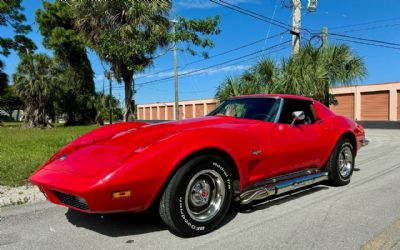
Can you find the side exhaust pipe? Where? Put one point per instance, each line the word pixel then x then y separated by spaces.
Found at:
pixel 262 192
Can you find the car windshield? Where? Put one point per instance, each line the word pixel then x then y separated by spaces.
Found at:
pixel 263 109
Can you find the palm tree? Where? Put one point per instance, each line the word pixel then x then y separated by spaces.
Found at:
pixel 343 67
pixel 263 77
pixel 229 87
pixel 313 71
pixel 37 85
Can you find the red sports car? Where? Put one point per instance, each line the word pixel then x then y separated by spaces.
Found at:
pixel 248 148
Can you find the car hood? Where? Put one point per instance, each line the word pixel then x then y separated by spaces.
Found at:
pixel 99 155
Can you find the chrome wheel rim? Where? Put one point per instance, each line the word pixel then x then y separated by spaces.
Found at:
pixel 204 195
pixel 345 162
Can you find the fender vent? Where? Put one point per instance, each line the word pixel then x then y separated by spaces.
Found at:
pixel 71 200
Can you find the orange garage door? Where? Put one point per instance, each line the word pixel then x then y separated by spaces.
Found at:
pixel 140 114
pixel 147 113
pixel 199 110
pixel 345 105
pixel 189 111
pixel 162 113
pixel 398 105
pixel 375 106
pixel 181 116
pixel 170 112
pixel 154 113
pixel 211 107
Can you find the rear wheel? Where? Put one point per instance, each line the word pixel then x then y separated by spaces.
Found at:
pixel 198 196
pixel 341 163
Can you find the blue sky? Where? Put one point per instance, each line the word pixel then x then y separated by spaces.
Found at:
pixel 380 21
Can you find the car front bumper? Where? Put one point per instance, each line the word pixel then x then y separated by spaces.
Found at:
pixel 365 143
pixel 87 194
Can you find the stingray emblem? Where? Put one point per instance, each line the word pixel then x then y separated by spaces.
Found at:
pixel 62 157
pixel 256 152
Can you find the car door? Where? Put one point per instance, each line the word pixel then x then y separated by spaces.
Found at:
pixel 299 146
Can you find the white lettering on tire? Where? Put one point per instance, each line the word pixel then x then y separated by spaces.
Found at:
pixel 192 226
pixel 223 171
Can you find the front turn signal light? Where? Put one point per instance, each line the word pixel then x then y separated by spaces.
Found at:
pixel 121 194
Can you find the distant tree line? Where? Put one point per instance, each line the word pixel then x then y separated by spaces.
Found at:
pixel 126 35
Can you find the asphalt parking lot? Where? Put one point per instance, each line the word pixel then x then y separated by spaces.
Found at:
pixel 364 214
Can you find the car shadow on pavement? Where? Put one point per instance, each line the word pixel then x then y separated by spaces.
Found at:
pixel 119 224
pixel 280 199
pixel 126 224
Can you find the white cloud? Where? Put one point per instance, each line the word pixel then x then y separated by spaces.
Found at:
pixel 204 4
pixel 99 77
pixel 233 68
pixel 211 71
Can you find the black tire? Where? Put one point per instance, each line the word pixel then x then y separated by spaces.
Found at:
pixel 339 172
pixel 177 205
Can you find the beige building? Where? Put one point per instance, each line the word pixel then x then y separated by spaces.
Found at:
pixel 166 110
pixel 372 102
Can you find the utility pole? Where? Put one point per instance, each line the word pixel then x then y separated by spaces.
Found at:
pixel 111 99
pixel 324 47
pixel 324 37
pixel 296 24
pixel 175 74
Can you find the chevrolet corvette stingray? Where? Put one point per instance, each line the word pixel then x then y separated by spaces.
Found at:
pixel 247 149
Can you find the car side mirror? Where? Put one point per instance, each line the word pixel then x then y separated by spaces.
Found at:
pixel 297 116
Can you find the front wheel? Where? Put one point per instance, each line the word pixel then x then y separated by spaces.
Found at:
pixel 198 196
pixel 341 163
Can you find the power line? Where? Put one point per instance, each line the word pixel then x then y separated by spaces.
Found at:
pixel 270 25
pixel 251 13
pixel 364 39
pixel 214 56
pixel 366 23
pixel 215 65
pixel 201 70
pixel 256 15
pixel 238 62
pixel 236 49
pixel 366 43
pixel 371 28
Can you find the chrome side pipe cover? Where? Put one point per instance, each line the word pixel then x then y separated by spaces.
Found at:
pixel 262 192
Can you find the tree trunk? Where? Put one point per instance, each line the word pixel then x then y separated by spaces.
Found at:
pixel 30 117
pixel 36 116
pixel 127 76
pixel 70 118
pixel 327 99
pixel 133 100
pixel 99 119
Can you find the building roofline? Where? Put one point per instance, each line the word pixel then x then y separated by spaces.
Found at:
pixel 172 102
pixel 367 84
